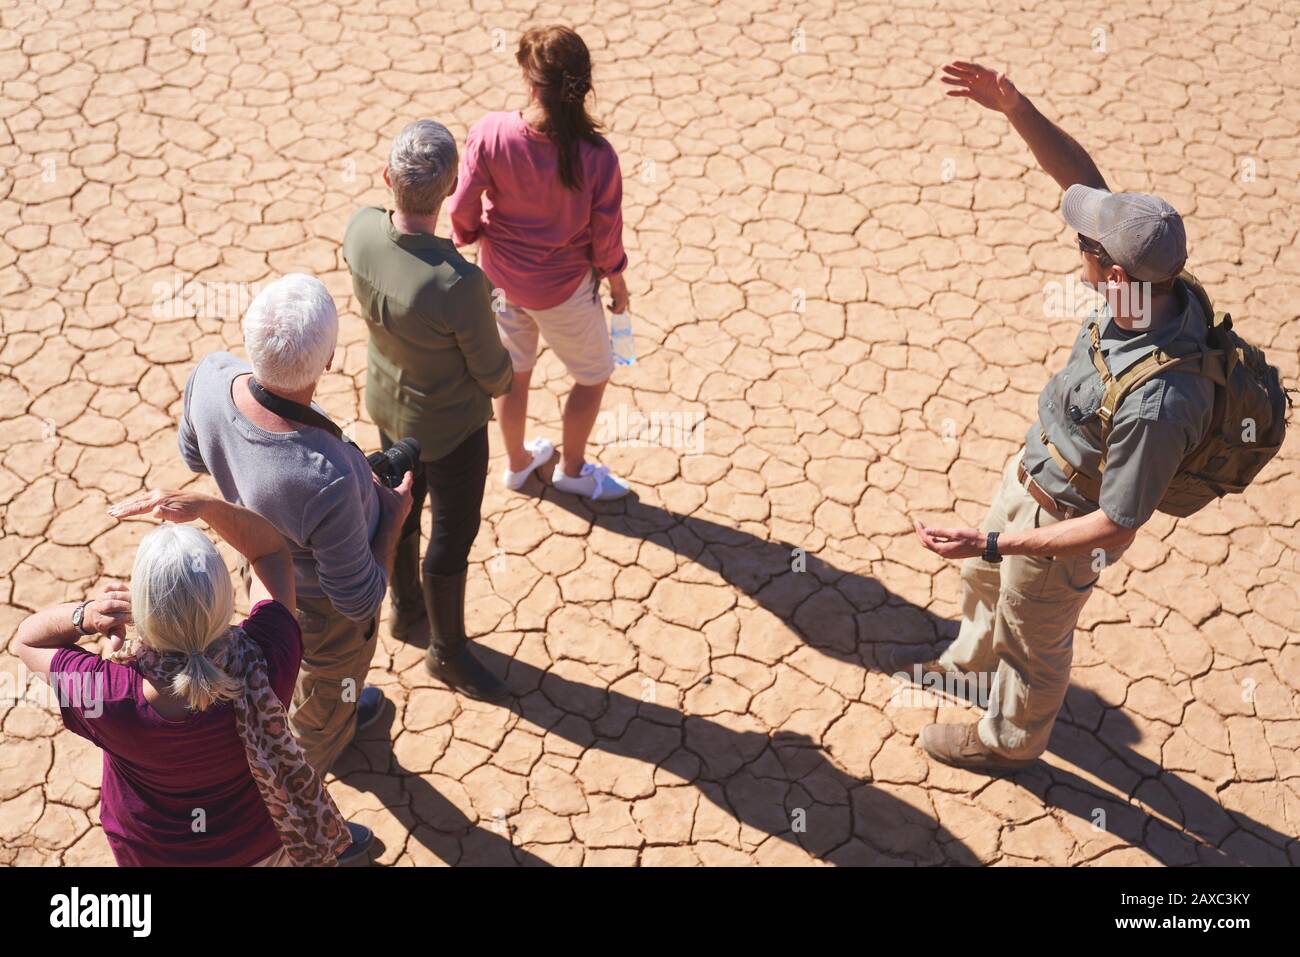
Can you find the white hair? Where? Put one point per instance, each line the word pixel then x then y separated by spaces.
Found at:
pixel 290 331
pixel 422 166
pixel 182 600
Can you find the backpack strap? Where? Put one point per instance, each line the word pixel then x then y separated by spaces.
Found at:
pixel 1215 364
pixel 1089 487
pixel 1133 378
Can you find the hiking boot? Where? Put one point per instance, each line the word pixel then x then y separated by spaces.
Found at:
pixel 905 660
pixel 959 745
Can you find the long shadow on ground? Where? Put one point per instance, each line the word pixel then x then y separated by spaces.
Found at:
pixel 1093 736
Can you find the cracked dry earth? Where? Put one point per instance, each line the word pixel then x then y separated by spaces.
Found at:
pixel 840 269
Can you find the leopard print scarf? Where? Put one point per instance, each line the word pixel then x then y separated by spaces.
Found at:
pixel 309 823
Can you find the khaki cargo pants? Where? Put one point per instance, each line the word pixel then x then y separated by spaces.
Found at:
pixel 336 656
pixel 1018 621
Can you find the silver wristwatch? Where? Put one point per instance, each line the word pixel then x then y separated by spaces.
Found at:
pixel 79 616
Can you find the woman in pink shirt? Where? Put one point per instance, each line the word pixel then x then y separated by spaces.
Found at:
pixel 549 231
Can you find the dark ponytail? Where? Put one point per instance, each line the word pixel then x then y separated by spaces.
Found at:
pixel 558 66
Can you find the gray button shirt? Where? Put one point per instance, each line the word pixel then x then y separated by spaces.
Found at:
pixel 315 489
pixel 1154 428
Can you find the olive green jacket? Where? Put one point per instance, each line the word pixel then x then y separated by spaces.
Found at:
pixel 435 357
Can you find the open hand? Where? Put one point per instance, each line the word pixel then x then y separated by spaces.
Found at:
pixel 166 504
pixel 988 88
pixel 951 542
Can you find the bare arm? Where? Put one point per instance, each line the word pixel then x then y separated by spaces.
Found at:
pixel 1076 536
pixel 41 635
pixel 1058 153
pixel 247 532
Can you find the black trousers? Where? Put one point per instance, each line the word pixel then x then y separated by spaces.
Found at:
pixel 454 487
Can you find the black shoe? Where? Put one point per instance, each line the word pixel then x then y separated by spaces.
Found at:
pixel 359 850
pixel 369 707
pixel 411 627
pixel 464 673
pixel 408 619
pixel 448 658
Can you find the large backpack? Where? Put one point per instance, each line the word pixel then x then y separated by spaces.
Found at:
pixel 1246 427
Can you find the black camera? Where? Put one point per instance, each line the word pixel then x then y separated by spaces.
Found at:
pixel 395 461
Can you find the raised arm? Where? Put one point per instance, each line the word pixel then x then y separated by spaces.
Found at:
pixel 41 635
pixel 1058 153
pixel 247 532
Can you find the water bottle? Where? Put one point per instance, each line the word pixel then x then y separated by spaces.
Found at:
pixel 621 340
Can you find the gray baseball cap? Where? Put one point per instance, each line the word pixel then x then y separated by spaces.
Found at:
pixel 1141 232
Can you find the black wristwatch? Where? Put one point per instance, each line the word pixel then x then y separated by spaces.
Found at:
pixel 79 616
pixel 991 549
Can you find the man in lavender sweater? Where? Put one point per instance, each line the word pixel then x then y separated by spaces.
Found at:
pixel 315 488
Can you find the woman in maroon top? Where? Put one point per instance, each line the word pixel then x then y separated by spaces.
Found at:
pixel 199 765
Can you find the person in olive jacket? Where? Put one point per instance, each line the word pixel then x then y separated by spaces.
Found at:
pixel 435 363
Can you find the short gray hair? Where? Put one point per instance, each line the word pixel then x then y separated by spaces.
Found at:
pixel 290 331
pixel 422 166
pixel 182 600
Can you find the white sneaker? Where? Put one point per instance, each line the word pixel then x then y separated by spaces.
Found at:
pixel 542 450
pixel 594 483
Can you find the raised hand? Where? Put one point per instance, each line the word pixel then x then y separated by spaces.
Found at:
pixel 110 613
pixel 166 504
pixel 988 88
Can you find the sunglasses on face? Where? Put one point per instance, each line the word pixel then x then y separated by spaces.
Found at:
pixel 1094 249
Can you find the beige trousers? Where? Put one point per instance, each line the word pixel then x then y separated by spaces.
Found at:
pixel 337 652
pixel 1018 621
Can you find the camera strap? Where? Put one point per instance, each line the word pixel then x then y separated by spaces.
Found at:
pixel 295 411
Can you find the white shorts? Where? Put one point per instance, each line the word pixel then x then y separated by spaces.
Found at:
pixel 575 329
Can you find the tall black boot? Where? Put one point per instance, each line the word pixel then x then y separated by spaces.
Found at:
pixel 408 616
pixel 449 658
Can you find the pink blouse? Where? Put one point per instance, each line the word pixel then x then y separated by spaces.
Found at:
pixel 538 240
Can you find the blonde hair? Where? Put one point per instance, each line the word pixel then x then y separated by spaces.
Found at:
pixel 182 600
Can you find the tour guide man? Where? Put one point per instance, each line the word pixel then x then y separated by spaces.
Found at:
pixel 1028 574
